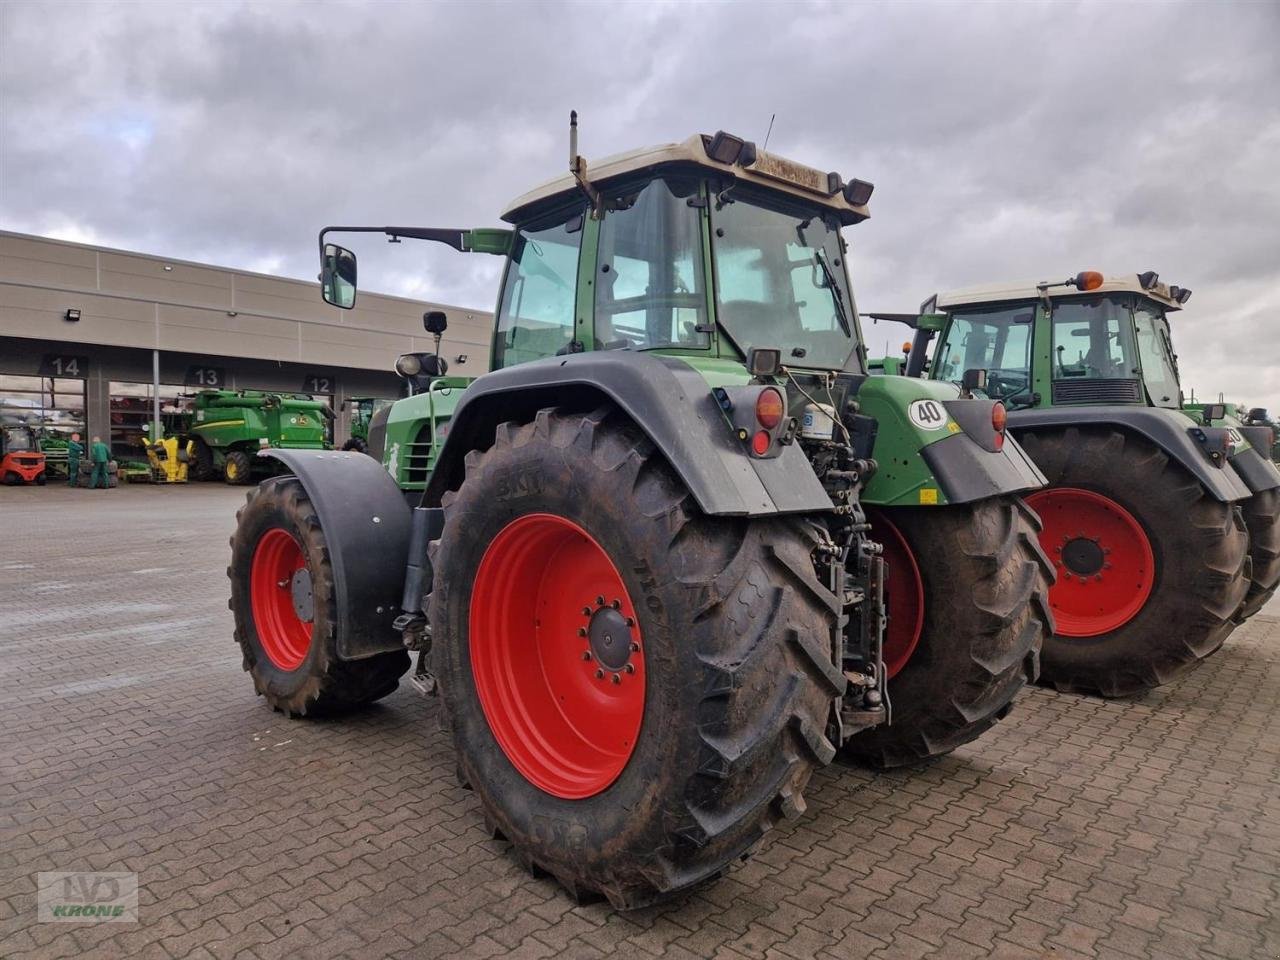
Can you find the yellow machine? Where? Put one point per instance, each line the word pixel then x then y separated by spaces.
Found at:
pixel 169 459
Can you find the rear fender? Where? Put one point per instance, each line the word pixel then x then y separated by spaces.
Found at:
pixel 934 448
pixel 1257 472
pixel 365 521
pixel 666 398
pixel 1170 430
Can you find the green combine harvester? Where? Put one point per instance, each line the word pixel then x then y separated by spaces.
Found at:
pixel 230 428
pixel 1160 519
pixel 648 560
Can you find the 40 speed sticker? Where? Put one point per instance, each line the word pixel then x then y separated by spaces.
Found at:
pixel 927 414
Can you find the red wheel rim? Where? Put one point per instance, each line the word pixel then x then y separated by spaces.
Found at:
pixel 904 595
pixel 557 656
pixel 1105 566
pixel 285 637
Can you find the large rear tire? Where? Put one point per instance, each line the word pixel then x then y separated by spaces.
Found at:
pixel 285 610
pixel 1151 568
pixel 639 787
pixel 956 664
pixel 1264 549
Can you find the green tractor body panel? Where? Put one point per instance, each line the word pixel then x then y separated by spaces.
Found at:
pixel 415 429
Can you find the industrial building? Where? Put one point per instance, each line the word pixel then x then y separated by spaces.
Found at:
pixel 91 336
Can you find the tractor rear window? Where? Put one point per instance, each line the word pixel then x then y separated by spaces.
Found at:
pixel 1092 340
pixel 781 282
pixel 996 339
pixel 535 314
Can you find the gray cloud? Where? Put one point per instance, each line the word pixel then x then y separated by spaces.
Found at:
pixel 1006 140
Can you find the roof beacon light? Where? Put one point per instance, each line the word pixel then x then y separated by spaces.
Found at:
pixel 858 192
pixel 1088 280
pixel 1148 279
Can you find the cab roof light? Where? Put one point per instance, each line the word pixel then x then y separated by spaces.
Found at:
pixel 726 148
pixel 858 192
pixel 1181 294
pixel 1148 279
pixel 1088 280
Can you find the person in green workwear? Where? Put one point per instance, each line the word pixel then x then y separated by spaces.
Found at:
pixel 100 453
pixel 74 452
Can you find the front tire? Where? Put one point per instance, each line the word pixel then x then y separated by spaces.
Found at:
pixel 282 595
pixel 1151 568
pixel 662 790
pixel 956 663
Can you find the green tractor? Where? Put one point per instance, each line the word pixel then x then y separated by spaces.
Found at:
pixel 1161 520
pixel 363 410
pixel 1240 415
pixel 648 559
pixel 231 427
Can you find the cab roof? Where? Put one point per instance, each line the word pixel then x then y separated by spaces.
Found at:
pixel 1029 290
pixel 767 170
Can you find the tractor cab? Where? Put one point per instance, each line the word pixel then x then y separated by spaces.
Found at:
pixel 1087 340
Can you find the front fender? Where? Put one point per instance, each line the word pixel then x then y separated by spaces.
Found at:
pixel 365 521
pixel 1167 429
pixel 666 398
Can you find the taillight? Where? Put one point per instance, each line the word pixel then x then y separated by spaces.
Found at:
pixel 760 443
pixel 999 420
pixel 769 410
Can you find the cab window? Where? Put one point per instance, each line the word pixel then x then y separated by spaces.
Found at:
pixel 1159 364
pixel 650 289
pixel 536 311
pixel 996 339
pixel 1092 340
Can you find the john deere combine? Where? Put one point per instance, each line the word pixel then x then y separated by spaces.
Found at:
pixel 1143 519
pixel 652 552
pixel 229 427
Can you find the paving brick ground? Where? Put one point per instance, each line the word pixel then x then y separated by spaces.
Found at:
pixel 133 741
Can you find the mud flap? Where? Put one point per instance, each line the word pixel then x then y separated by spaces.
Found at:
pixel 365 521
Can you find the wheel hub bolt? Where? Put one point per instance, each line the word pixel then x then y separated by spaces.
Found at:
pixel 599 674
pixel 586 654
pixel 630 668
pixel 635 647
pixel 599 601
pixel 582 631
pixel 617 604
pixel 586 611
pixel 617 679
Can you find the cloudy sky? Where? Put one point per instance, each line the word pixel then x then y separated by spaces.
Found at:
pixel 1006 140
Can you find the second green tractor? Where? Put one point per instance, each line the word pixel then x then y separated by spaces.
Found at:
pixel 1160 518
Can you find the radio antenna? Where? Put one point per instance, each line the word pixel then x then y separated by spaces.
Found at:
pixel 769 131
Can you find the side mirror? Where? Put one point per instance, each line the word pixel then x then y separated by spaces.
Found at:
pixel 338 276
pixel 435 322
pixel 1258 413
pixel 1213 411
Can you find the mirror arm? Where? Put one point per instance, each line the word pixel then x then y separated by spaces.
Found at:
pixel 464 241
